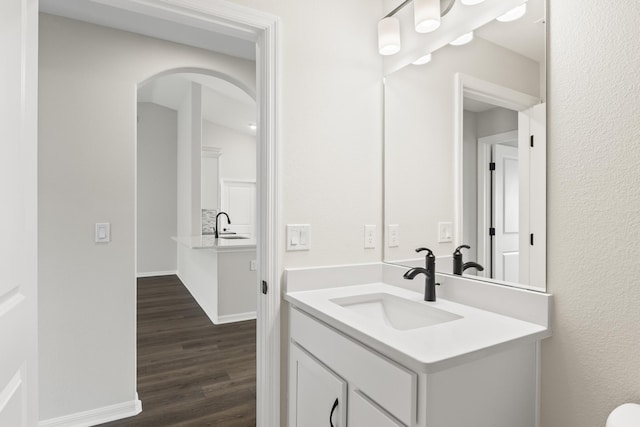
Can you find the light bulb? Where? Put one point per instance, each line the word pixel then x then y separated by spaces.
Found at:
pixel 513 14
pixel 425 59
pixel 471 2
pixel 426 15
pixel 463 39
pixel 389 36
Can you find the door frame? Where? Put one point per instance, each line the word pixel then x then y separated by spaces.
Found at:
pixel 224 17
pixel 485 145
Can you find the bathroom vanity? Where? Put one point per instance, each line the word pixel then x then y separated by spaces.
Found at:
pixel 388 358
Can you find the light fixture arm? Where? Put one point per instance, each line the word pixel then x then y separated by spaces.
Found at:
pixel 445 7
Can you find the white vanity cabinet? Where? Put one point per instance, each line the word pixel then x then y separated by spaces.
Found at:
pixel 493 389
pixel 319 394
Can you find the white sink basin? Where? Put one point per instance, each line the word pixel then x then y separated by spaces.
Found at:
pixel 395 312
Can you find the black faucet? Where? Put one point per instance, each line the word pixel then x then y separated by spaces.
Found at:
pixel 228 220
pixel 458 266
pixel 429 272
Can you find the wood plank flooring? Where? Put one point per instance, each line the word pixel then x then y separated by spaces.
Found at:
pixel 190 371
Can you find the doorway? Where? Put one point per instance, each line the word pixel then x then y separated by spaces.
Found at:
pixel 499 203
pixel 170 21
pixel 196 292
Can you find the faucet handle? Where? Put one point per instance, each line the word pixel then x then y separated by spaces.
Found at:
pixel 429 252
pixel 457 251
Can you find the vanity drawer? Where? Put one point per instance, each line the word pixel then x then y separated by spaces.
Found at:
pixel 364 413
pixel 390 385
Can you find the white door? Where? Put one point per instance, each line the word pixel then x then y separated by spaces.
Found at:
pixel 506 213
pixel 18 212
pixel 317 395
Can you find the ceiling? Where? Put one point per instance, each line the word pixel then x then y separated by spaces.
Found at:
pixel 222 103
pixel 477 106
pixel 525 36
pixel 114 17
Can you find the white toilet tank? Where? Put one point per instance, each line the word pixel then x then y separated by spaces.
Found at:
pixel 627 415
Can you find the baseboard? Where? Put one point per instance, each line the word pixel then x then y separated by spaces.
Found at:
pixel 96 416
pixel 157 273
pixel 230 318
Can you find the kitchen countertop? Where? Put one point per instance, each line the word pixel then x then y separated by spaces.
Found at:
pixel 210 242
pixel 428 349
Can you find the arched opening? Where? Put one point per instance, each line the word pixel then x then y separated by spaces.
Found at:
pixel 196 244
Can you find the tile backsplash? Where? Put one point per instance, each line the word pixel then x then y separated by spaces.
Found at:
pixel 208 221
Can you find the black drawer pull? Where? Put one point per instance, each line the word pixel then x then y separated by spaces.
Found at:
pixel 335 405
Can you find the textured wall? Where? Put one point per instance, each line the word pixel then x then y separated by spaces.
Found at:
pixel 592 362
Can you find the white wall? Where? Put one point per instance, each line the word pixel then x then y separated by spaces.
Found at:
pixel 419 137
pixel 157 188
pixel 496 121
pixel 330 94
pixel 238 159
pixel 592 362
pixel 87 132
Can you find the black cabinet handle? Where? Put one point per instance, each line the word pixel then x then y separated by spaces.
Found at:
pixel 335 405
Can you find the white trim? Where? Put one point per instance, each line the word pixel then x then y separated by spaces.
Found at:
pixel 211 151
pixel 484 188
pixel 234 20
pixel 157 273
pixel 96 416
pixel 232 318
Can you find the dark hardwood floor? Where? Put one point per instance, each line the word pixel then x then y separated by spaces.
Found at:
pixel 191 372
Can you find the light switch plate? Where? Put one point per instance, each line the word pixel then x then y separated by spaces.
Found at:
pixel 103 232
pixel 394 235
pixel 298 237
pixel 369 236
pixel 445 232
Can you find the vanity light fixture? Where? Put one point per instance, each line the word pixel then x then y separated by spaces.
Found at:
pixel 471 2
pixel 513 14
pixel 463 39
pixel 426 15
pixel 425 59
pixel 389 36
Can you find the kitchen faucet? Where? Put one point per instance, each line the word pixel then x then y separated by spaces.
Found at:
pixel 429 272
pixel 458 266
pixel 228 221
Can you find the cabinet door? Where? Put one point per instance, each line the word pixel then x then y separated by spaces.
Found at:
pixel 364 413
pixel 317 396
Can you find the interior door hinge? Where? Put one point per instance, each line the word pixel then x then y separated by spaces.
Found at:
pixel 265 287
pixel 492 166
pixel 531 140
pixel 492 231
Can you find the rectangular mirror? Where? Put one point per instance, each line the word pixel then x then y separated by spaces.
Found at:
pixel 465 155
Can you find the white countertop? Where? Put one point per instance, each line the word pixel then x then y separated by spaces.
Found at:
pixel 210 242
pixel 427 349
